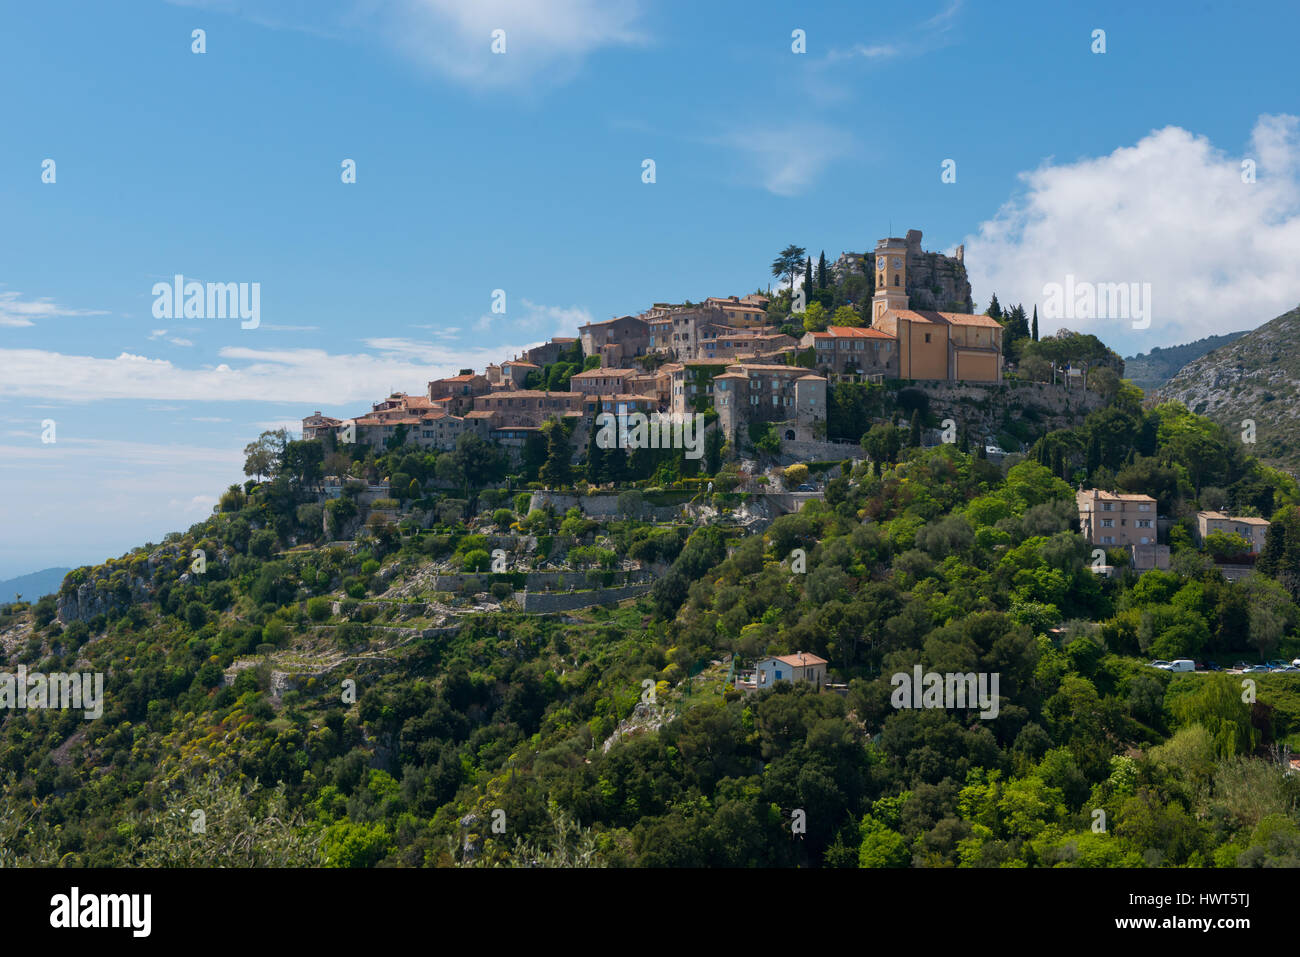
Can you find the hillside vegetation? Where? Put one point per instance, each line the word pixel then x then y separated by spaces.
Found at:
pixel 322 702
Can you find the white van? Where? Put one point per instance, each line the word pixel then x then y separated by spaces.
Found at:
pixel 1182 664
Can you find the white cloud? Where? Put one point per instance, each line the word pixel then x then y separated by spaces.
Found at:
pixel 546 40
pixel 17 312
pixel 1171 211
pixel 264 375
pixel 787 161
pixel 537 319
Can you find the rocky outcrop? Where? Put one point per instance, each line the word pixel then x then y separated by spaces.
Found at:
pixel 934 281
pixel 1252 387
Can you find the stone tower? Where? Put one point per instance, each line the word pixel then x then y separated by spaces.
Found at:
pixel 891 277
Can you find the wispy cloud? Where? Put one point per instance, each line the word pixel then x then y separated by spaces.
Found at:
pixel 18 312
pixel 157 334
pixel 787 161
pixel 930 34
pixel 538 319
pixel 545 42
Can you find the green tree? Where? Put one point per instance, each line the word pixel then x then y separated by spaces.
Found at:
pixel 822 278
pixel 814 318
pixel 557 472
pixel 846 316
pixel 788 262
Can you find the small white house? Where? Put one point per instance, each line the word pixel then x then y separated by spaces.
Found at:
pixel 801 666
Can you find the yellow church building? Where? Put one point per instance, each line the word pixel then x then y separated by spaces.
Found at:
pixel 931 345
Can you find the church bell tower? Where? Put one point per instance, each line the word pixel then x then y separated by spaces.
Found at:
pixel 891 278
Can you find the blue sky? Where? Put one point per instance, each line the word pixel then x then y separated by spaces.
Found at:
pixel 522 172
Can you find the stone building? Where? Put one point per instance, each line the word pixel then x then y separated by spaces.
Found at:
pixel 458 391
pixel 931 345
pixel 616 341
pixel 853 353
pixel 790 397
pixel 1253 530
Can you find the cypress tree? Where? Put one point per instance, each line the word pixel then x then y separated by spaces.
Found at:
pixel 557 473
pixel 595 454
pixel 994 311
pixel 1034 329
pixel 808 278
pixel 821 271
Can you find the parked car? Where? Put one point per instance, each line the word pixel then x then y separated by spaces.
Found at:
pixel 1161 664
pixel 1208 666
pixel 806 488
pixel 1288 669
pixel 1296 662
pixel 1255 669
pixel 1277 663
pixel 1240 666
pixel 1182 664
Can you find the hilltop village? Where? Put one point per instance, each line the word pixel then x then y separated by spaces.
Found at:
pixel 748 358
pixel 954 589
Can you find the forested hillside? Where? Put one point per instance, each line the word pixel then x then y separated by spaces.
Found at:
pixel 477 733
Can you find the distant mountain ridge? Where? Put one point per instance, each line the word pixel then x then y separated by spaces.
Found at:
pixel 47 581
pixel 1150 371
pixel 1257 378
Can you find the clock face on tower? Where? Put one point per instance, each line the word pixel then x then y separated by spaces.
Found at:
pixel 898 263
pixel 880 263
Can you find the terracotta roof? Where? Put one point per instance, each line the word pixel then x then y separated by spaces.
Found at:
pixel 524 394
pixel 851 332
pixel 597 373
pixel 768 367
pixel 946 318
pixel 804 658
pixel 522 363
pixel 1116 496
pixel 620 397
pixel 458 378
pixel 480 414
pixel 1220 517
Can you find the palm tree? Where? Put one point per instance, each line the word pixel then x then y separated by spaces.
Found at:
pixel 788 263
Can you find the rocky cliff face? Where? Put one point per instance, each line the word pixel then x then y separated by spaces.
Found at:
pixel 1256 378
pixel 934 281
pixel 88 592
